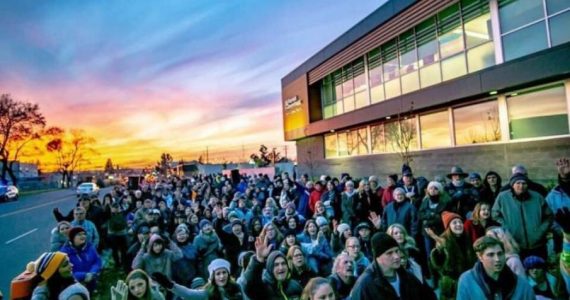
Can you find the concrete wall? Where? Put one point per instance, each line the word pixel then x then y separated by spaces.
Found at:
pixel 538 156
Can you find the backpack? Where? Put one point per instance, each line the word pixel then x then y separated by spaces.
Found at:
pixel 22 286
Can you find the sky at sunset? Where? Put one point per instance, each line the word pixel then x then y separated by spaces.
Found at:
pixel 146 77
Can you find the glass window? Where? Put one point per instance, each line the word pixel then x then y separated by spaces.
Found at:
pixel 347 83
pixel 329 111
pixel 434 129
pixel 392 88
pixel 554 6
pixel 337 78
pixel 514 14
pixel 450 31
pixel 361 99
pixel 343 144
pixel 478 31
pixel 359 78
pixel 430 75
pixel 339 107
pixel 377 138
pixel 377 94
pixel 410 82
pixel 348 103
pixel 401 135
pixel 390 59
pixel 453 67
pixel 331 146
pixel 525 41
pixel 481 57
pixel 560 28
pixel 375 76
pixel 426 38
pixel 477 123
pixel 408 57
pixel 538 113
pixel 357 141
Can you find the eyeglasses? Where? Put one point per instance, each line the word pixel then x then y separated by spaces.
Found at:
pixel 353 246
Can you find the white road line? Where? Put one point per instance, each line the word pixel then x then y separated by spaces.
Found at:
pixel 20 236
pixel 33 207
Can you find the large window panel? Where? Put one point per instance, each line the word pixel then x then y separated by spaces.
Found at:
pixel 349 103
pixel 435 130
pixel 481 57
pixel 337 79
pixel 331 146
pixel 408 55
pixel 449 31
pixel 347 83
pixel 339 107
pixel 514 14
pixel 359 78
pixel 343 144
pixel 377 138
pixel 525 41
pixel 401 135
pixel 477 123
pixel 430 75
pixel 478 31
pixel 361 99
pixel 453 67
pixel 560 28
pixel 357 142
pixel 377 94
pixel 410 82
pixel 554 6
pixel 426 38
pixel 538 113
pixel 392 88
pixel 390 60
pixel 375 76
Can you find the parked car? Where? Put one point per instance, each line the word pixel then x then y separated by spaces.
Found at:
pixel 87 188
pixel 8 192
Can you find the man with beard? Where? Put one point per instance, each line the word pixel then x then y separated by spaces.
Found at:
pixel 342 278
pixel 384 278
pixel 271 282
pixel 489 279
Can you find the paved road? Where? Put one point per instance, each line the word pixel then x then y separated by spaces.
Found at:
pixel 25 228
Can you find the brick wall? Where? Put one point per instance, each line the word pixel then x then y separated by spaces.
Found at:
pixel 538 156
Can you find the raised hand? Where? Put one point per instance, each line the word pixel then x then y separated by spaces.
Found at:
pixel 438 240
pixel 563 166
pixel 120 291
pixel 375 219
pixel 262 250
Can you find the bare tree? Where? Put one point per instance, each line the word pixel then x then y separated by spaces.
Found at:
pixel 164 165
pixel 71 150
pixel 402 135
pixel 20 123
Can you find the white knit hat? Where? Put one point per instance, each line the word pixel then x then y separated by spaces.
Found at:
pixel 435 184
pixel 342 227
pixel 217 264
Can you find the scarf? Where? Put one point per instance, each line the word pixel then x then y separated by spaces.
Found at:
pixel 505 285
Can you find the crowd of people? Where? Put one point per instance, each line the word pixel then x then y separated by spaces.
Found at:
pixel 460 236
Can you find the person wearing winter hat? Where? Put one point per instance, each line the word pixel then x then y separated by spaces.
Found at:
pixel 533 220
pixel 234 242
pixel 542 282
pixel 462 193
pixel 184 269
pixel 384 278
pixel 268 275
pixel 54 275
pixel 220 284
pixel 490 278
pixel 59 235
pixel 338 240
pixel 453 253
pixel 137 285
pixel 157 255
pixel 84 258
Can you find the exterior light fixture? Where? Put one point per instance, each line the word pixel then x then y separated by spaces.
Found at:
pixel 493 93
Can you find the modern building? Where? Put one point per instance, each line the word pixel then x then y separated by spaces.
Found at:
pixel 484 84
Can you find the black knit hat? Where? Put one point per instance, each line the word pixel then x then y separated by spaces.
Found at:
pixel 382 242
pixel 73 232
pixel 516 177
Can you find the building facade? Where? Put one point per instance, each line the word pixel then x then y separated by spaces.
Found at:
pixel 484 84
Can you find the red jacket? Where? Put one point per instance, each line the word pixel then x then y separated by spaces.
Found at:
pixel 313 198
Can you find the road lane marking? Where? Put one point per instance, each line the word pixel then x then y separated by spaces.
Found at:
pixel 34 207
pixel 20 236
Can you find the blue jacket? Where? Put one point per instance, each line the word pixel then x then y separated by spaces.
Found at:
pixel 472 286
pixel 556 200
pixel 84 260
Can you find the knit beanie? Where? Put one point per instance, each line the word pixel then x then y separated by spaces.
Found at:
pixel 180 228
pixel 534 262
pixel 217 264
pixel 382 242
pixel 447 217
pixel 48 263
pixel 204 223
pixel 73 232
pixel 342 227
pixel 435 184
pixel 321 221
pixel 244 257
pixel 516 177
pixel 393 177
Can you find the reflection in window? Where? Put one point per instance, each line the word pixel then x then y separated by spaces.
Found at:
pixel 375 76
pixel 554 6
pixel 478 31
pixel 481 57
pixel 525 41
pixel 435 130
pixel 377 139
pixel 358 142
pixel 514 14
pixel 390 59
pixel 449 31
pixel 401 135
pixel 559 28
pixel 430 75
pixel 477 123
pixel 426 36
pixel 454 67
pixel 342 144
pixel 538 113
pixel 331 146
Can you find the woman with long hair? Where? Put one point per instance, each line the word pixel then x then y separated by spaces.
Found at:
pixel 482 220
pixel 220 286
pixel 273 234
pixel 137 286
pixel 297 262
pixel 492 187
pixel 408 244
pixel 452 255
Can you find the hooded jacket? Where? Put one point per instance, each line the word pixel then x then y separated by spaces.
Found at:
pixel 261 284
pixel 373 285
pixel 527 219
pixel 208 247
pixel 57 239
pixel 472 285
pixel 151 262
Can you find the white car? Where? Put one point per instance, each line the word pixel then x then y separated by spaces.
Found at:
pixel 87 188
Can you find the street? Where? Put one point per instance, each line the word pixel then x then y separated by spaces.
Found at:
pixel 25 227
